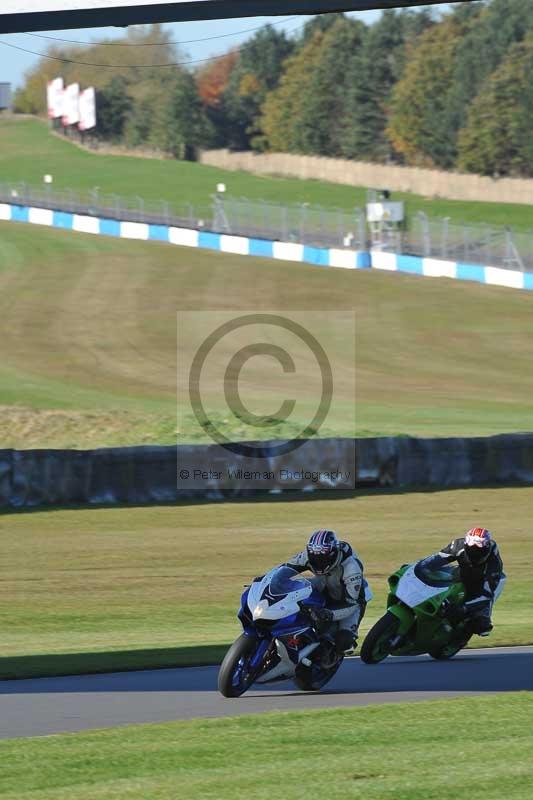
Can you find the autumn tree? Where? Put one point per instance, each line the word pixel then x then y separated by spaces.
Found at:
pixel 333 98
pixel 257 72
pixel 320 23
pixel 134 57
pixel 497 136
pixel 371 76
pixel 490 30
pixel 444 74
pixel 114 106
pixel 284 108
pixel 420 126
pixel 212 79
pixel 185 124
pixel 321 123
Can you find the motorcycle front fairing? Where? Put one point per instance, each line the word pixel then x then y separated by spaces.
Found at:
pixel 275 600
pixel 273 610
pixel 417 592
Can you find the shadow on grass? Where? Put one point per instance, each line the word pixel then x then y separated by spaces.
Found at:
pixel 55 665
pixel 288 497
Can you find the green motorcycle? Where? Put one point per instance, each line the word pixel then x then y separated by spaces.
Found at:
pixel 422 614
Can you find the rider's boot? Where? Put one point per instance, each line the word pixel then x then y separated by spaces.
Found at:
pixel 345 642
pixel 482 625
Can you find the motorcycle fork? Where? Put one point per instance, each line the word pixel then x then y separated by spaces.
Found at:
pixel 259 655
pixel 407 626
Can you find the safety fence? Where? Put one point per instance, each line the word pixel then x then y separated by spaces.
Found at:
pixel 150 474
pixel 306 223
pixel 286 251
pixel 468 243
pixel 309 224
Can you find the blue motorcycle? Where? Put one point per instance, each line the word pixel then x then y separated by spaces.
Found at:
pixel 282 638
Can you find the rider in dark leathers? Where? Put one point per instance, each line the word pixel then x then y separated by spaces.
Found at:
pixel 482 573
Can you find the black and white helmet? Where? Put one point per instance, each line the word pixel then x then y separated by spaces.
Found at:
pixel 323 551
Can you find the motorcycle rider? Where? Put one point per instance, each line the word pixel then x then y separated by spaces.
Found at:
pixel 338 576
pixel 482 573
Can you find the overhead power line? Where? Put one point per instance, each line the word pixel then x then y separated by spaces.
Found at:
pixel 122 66
pixel 157 44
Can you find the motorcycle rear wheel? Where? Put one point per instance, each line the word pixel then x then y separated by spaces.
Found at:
pixel 234 677
pixel 376 646
pixel 312 679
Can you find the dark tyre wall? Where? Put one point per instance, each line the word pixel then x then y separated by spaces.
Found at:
pixel 149 474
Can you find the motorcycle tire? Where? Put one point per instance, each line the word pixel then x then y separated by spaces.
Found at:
pixel 376 644
pixel 241 650
pixel 312 679
pixel 448 651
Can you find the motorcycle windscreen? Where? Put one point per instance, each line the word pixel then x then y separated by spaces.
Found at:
pixel 283 581
pixel 412 591
pixel 434 573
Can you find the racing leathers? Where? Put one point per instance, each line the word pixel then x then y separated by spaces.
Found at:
pixel 483 581
pixel 345 591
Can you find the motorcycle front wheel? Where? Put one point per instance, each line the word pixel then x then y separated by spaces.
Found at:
pixel 376 646
pixel 235 675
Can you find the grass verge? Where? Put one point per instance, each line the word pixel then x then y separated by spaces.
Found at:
pixel 50 666
pixel 408 751
pixel 114 582
pixel 180 181
pixel 89 344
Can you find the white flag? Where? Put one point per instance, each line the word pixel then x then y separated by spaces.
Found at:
pixel 87 109
pixel 54 97
pixel 71 98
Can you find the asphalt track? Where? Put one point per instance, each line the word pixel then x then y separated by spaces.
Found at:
pixel 55 705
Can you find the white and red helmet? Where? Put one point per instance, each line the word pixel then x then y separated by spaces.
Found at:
pixel 478 542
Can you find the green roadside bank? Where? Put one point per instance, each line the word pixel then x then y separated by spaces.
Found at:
pixel 409 751
pixel 171 181
pixel 58 664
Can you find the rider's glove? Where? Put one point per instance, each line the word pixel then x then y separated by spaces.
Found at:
pixel 323 617
pixel 456 614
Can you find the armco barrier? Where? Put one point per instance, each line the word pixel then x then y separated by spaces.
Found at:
pixel 187 237
pixel 435 268
pixel 30 478
pixel 286 251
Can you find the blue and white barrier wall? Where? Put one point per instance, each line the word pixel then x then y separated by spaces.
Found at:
pixel 435 268
pixel 286 251
pixel 242 245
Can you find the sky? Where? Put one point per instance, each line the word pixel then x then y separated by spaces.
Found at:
pixel 229 33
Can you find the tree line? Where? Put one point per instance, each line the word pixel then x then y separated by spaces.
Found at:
pixel 449 91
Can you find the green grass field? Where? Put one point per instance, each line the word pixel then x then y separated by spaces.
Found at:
pixel 111 580
pixel 409 752
pixel 178 182
pixel 88 331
